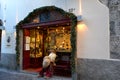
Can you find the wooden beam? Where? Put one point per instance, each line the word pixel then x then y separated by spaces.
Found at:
pixel 50 23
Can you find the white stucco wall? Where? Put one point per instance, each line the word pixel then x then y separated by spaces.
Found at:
pixel 92 40
pixel 93 33
pixel 14 11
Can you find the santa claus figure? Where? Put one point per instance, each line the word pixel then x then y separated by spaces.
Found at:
pixel 52 57
pixel 48 64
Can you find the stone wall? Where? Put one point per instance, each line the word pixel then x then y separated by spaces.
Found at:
pixel 114 6
pixel 96 69
pixel 105 2
pixel 114 10
pixel 8 61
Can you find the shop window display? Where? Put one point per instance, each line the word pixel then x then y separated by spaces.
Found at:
pixel 59 39
pixel 35 43
pixel 39 41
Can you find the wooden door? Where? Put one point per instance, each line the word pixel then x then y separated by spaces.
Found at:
pixel 26 49
pixel 36 48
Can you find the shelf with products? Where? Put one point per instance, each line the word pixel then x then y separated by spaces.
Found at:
pixel 59 38
pixel 35 44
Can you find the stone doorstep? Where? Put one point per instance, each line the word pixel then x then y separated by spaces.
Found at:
pixel 55 78
pixel 45 78
pixel 34 76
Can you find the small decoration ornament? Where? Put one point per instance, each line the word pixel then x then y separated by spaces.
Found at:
pixel 8 39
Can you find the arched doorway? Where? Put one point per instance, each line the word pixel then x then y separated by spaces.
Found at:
pixel 47 28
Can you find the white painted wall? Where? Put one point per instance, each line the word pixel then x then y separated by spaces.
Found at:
pixel 93 34
pixel 14 11
pixel 92 40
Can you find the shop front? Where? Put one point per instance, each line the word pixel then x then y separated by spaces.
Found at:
pixel 45 29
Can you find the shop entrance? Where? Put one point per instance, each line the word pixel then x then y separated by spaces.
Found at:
pixel 43 29
pixel 40 40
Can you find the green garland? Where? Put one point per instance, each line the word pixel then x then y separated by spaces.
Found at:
pixel 34 14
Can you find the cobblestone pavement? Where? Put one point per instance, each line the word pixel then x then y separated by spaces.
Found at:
pixel 13 75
